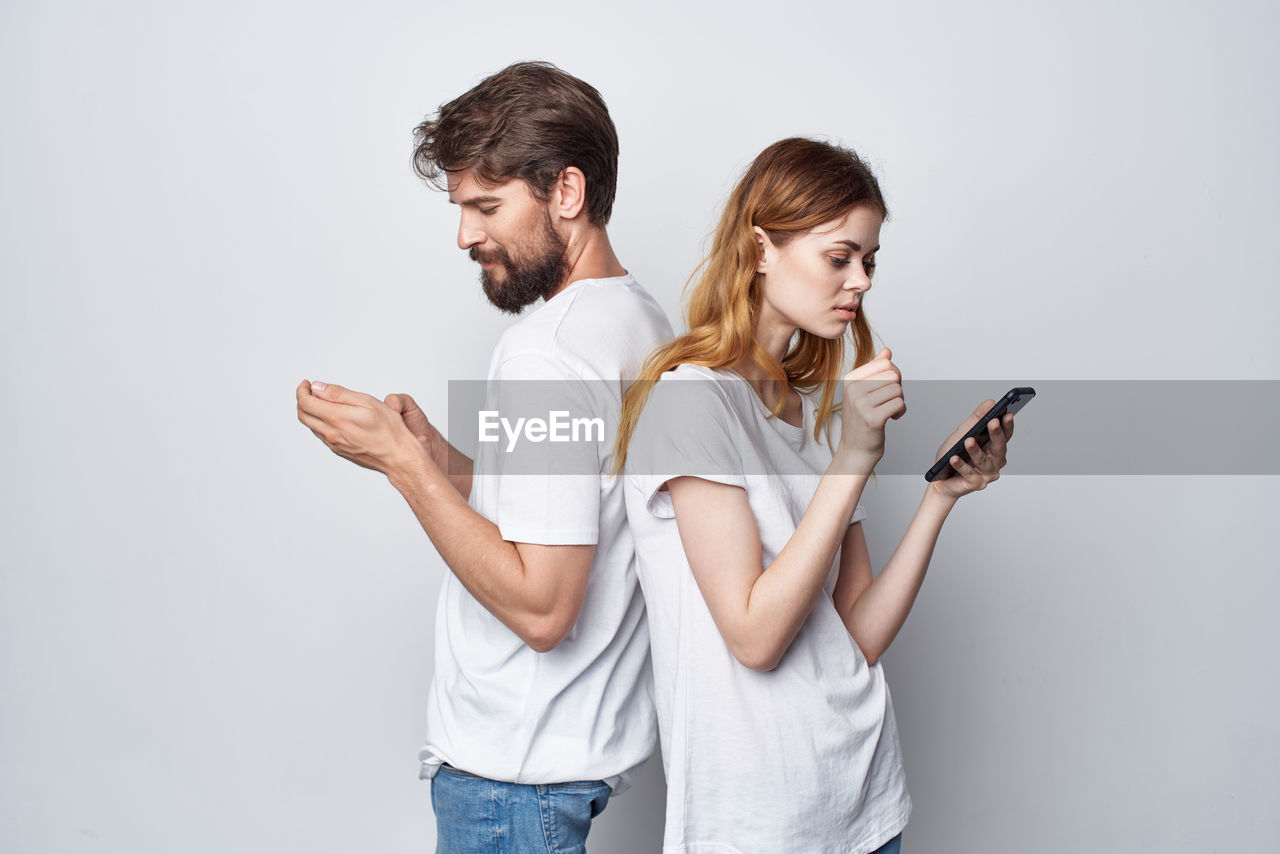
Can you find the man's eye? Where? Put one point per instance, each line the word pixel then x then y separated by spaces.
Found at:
pixel 487 211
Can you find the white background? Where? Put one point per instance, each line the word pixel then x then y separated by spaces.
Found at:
pixel 215 636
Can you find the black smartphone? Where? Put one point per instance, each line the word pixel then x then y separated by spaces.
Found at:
pixel 1014 400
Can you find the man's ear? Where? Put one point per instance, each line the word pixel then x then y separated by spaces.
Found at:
pixel 765 246
pixel 569 193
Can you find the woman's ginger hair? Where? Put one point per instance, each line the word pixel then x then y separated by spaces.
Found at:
pixel 793 186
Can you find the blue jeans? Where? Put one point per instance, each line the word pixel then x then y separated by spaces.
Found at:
pixel 476 815
pixel 893 846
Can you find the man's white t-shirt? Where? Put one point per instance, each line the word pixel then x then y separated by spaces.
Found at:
pixel 803 758
pixel 584 710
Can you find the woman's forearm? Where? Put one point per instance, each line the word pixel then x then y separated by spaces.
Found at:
pixel 877 615
pixel 783 595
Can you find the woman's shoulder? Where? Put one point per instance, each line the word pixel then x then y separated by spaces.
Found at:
pixel 690 424
pixel 690 402
pixel 698 388
pixel 688 371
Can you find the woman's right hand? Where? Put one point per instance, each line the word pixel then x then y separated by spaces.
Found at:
pixel 872 395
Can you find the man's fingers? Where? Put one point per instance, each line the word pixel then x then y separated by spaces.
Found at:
pixel 315 425
pixel 402 403
pixel 312 405
pixel 337 394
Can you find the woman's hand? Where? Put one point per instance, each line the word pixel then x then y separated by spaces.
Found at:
pixel 985 463
pixel 872 395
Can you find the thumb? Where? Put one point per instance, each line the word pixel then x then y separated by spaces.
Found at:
pixel 329 391
pixel 401 403
pixel 886 353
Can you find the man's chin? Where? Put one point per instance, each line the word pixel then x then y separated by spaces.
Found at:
pixel 503 298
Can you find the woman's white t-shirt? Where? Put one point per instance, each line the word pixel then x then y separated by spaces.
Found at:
pixel 803 758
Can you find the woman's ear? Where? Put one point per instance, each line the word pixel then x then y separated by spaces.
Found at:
pixel 765 247
pixel 569 193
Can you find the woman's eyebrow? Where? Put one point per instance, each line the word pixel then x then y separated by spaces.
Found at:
pixel 856 247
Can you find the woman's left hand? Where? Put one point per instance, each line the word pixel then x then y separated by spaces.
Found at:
pixel 985 462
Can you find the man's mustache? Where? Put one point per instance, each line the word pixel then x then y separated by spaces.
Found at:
pixel 486 257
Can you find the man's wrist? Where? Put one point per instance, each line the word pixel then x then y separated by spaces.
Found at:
pixel 414 466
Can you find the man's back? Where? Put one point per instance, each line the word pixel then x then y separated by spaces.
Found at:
pixel 584 710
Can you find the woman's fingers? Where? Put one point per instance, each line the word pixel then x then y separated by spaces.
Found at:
pixel 978 454
pixel 974 478
pixel 998 436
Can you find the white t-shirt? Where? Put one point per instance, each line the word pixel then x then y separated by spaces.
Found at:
pixel 584 710
pixel 803 758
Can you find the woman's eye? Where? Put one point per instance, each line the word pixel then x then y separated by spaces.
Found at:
pixel 840 262
pixel 869 265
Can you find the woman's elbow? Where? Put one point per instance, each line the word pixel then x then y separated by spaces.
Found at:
pixel 870 654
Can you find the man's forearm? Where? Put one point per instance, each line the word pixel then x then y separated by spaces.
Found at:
pixel 457 466
pixel 487 565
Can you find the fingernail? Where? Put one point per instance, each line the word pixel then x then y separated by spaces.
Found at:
pixel 317 386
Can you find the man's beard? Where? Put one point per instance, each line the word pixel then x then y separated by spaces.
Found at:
pixel 528 280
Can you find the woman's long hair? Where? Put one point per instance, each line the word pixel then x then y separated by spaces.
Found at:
pixel 793 186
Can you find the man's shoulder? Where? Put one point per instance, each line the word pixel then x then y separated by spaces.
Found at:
pixel 618 304
pixel 596 326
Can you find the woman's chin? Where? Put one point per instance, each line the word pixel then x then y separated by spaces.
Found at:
pixel 828 330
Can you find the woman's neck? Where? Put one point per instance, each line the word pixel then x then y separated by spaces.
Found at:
pixel 773 339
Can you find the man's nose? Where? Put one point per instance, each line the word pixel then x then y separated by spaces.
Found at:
pixel 468 234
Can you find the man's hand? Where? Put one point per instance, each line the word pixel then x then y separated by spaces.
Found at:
pixel 456 465
pixel 412 415
pixel 358 427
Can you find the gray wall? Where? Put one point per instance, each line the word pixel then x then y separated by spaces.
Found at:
pixel 215 636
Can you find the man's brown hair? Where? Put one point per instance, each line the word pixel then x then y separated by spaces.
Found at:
pixel 529 121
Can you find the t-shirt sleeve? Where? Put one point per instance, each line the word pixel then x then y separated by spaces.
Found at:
pixel 545 469
pixel 686 428
pixel 859 513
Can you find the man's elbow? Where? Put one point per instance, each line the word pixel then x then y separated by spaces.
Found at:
pixel 544 633
pixel 756 656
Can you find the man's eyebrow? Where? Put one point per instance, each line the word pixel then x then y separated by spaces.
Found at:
pixel 857 247
pixel 477 200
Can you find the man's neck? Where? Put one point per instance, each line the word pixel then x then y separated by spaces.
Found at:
pixel 591 257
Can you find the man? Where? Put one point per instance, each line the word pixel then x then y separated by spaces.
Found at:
pixel 541 703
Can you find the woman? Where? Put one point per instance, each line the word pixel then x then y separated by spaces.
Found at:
pixel 765 621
